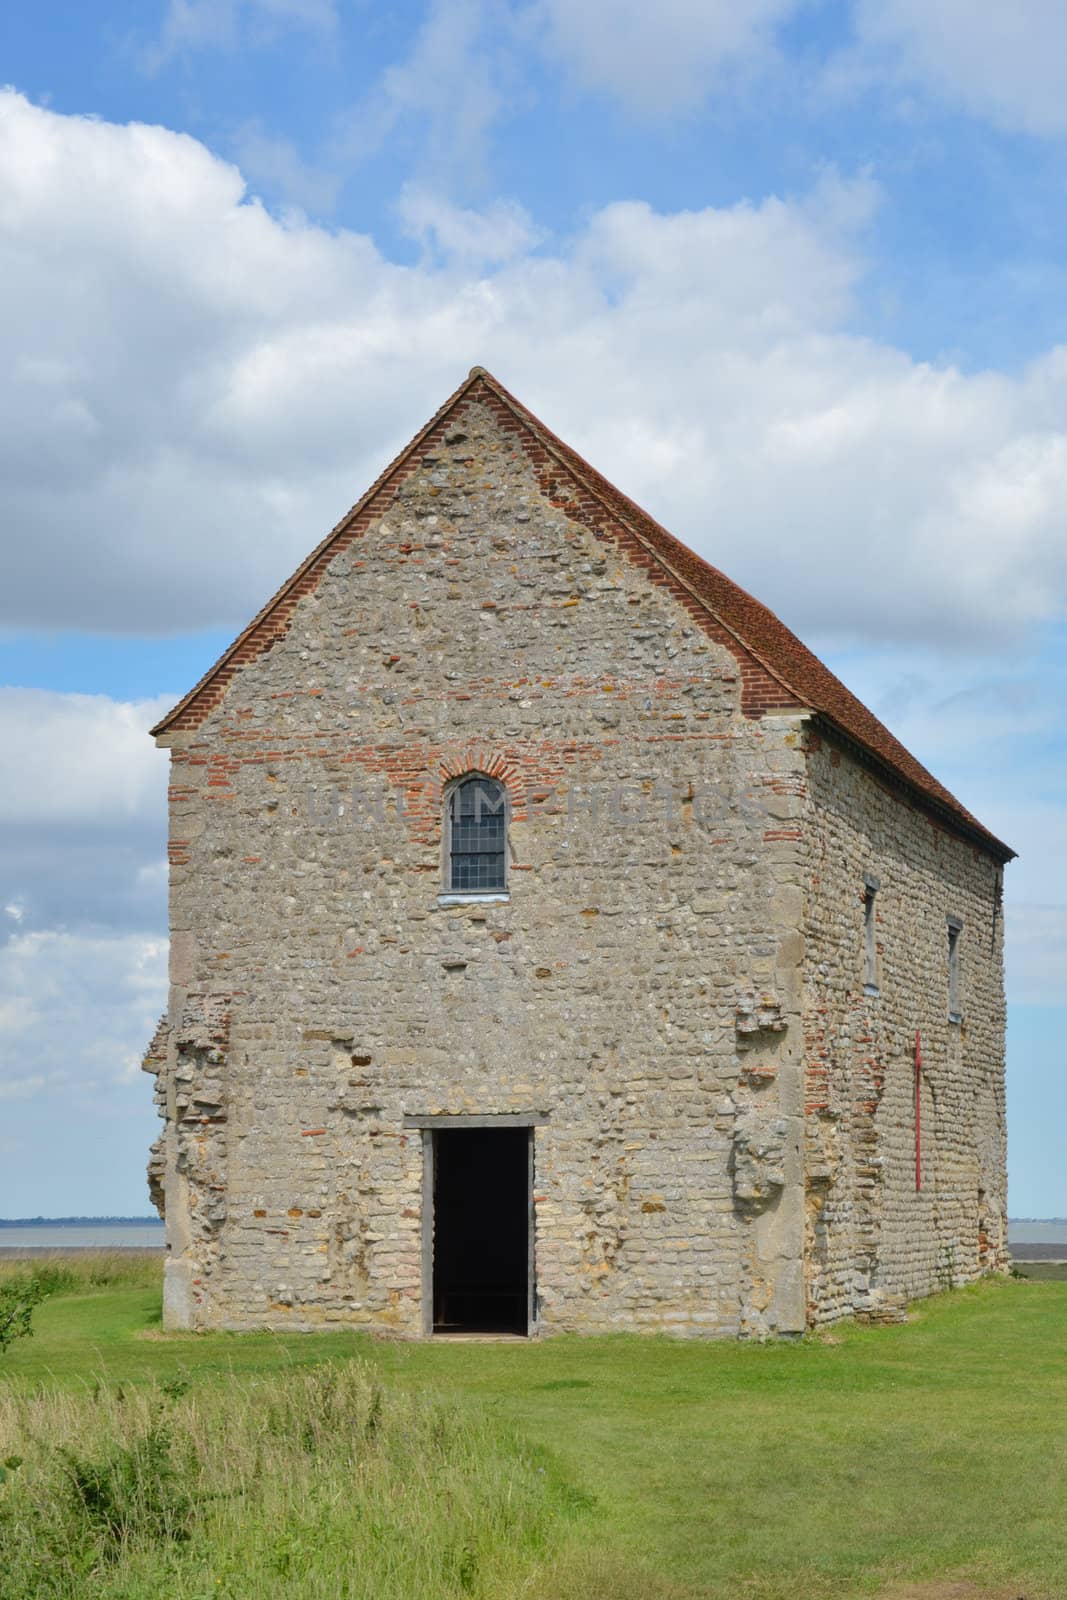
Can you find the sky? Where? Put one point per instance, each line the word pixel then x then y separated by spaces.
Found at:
pixel 791 272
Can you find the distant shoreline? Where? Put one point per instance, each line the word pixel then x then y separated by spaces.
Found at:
pixel 81 1222
pixel 35 1252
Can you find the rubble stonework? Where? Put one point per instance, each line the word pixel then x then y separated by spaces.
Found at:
pixel 872 1233
pixel 673 986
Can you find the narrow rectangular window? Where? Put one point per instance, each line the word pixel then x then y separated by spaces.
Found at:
pixel 955 1005
pixel 871 886
pixel 477 844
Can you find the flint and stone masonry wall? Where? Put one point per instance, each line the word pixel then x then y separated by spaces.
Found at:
pixel 672 886
pixel 640 987
pixel 873 1238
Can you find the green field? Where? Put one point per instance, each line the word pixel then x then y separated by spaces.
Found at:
pixel 922 1459
pixel 1049 1271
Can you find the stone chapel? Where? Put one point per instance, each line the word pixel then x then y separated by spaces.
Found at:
pixel 557 945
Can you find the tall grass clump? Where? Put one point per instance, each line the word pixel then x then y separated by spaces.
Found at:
pixel 321 1483
pixel 86 1271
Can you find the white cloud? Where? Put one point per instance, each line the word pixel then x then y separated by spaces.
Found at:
pixel 154 873
pixel 82 812
pixel 82 821
pixel 275 167
pixel 471 238
pixel 1036 953
pixel 21 1088
pixel 185 415
pixel 1002 59
pixel 451 86
pixel 79 758
pixel 76 1009
pixel 214 24
pixel 664 58
pixel 16 1015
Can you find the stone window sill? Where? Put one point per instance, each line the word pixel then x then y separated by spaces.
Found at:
pixel 475 897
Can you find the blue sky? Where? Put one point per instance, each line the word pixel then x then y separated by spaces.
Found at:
pixel 790 271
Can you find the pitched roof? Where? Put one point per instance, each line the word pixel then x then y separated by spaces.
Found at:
pixel 777 670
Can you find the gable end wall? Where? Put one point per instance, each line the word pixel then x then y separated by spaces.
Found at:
pixel 639 992
pixel 761 689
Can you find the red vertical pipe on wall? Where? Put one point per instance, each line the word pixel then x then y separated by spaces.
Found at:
pixel 918 1112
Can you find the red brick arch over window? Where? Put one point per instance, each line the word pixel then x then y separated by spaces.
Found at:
pixel 476 760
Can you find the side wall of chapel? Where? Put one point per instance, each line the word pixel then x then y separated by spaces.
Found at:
pixel 879 1229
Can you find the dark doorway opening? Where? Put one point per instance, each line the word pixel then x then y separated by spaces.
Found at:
pixel 481 1233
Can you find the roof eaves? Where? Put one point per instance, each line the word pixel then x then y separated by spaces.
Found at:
pixel 954 815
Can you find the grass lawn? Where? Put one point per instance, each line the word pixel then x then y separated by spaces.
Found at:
pixel 848 1464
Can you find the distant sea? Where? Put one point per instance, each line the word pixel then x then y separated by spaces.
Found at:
pixel 94 1233
pixel 1038 1232
pixel 89 1233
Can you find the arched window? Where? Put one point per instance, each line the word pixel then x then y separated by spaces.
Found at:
pixel 477 836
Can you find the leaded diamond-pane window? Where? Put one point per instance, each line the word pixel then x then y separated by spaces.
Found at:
pixel 477 835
